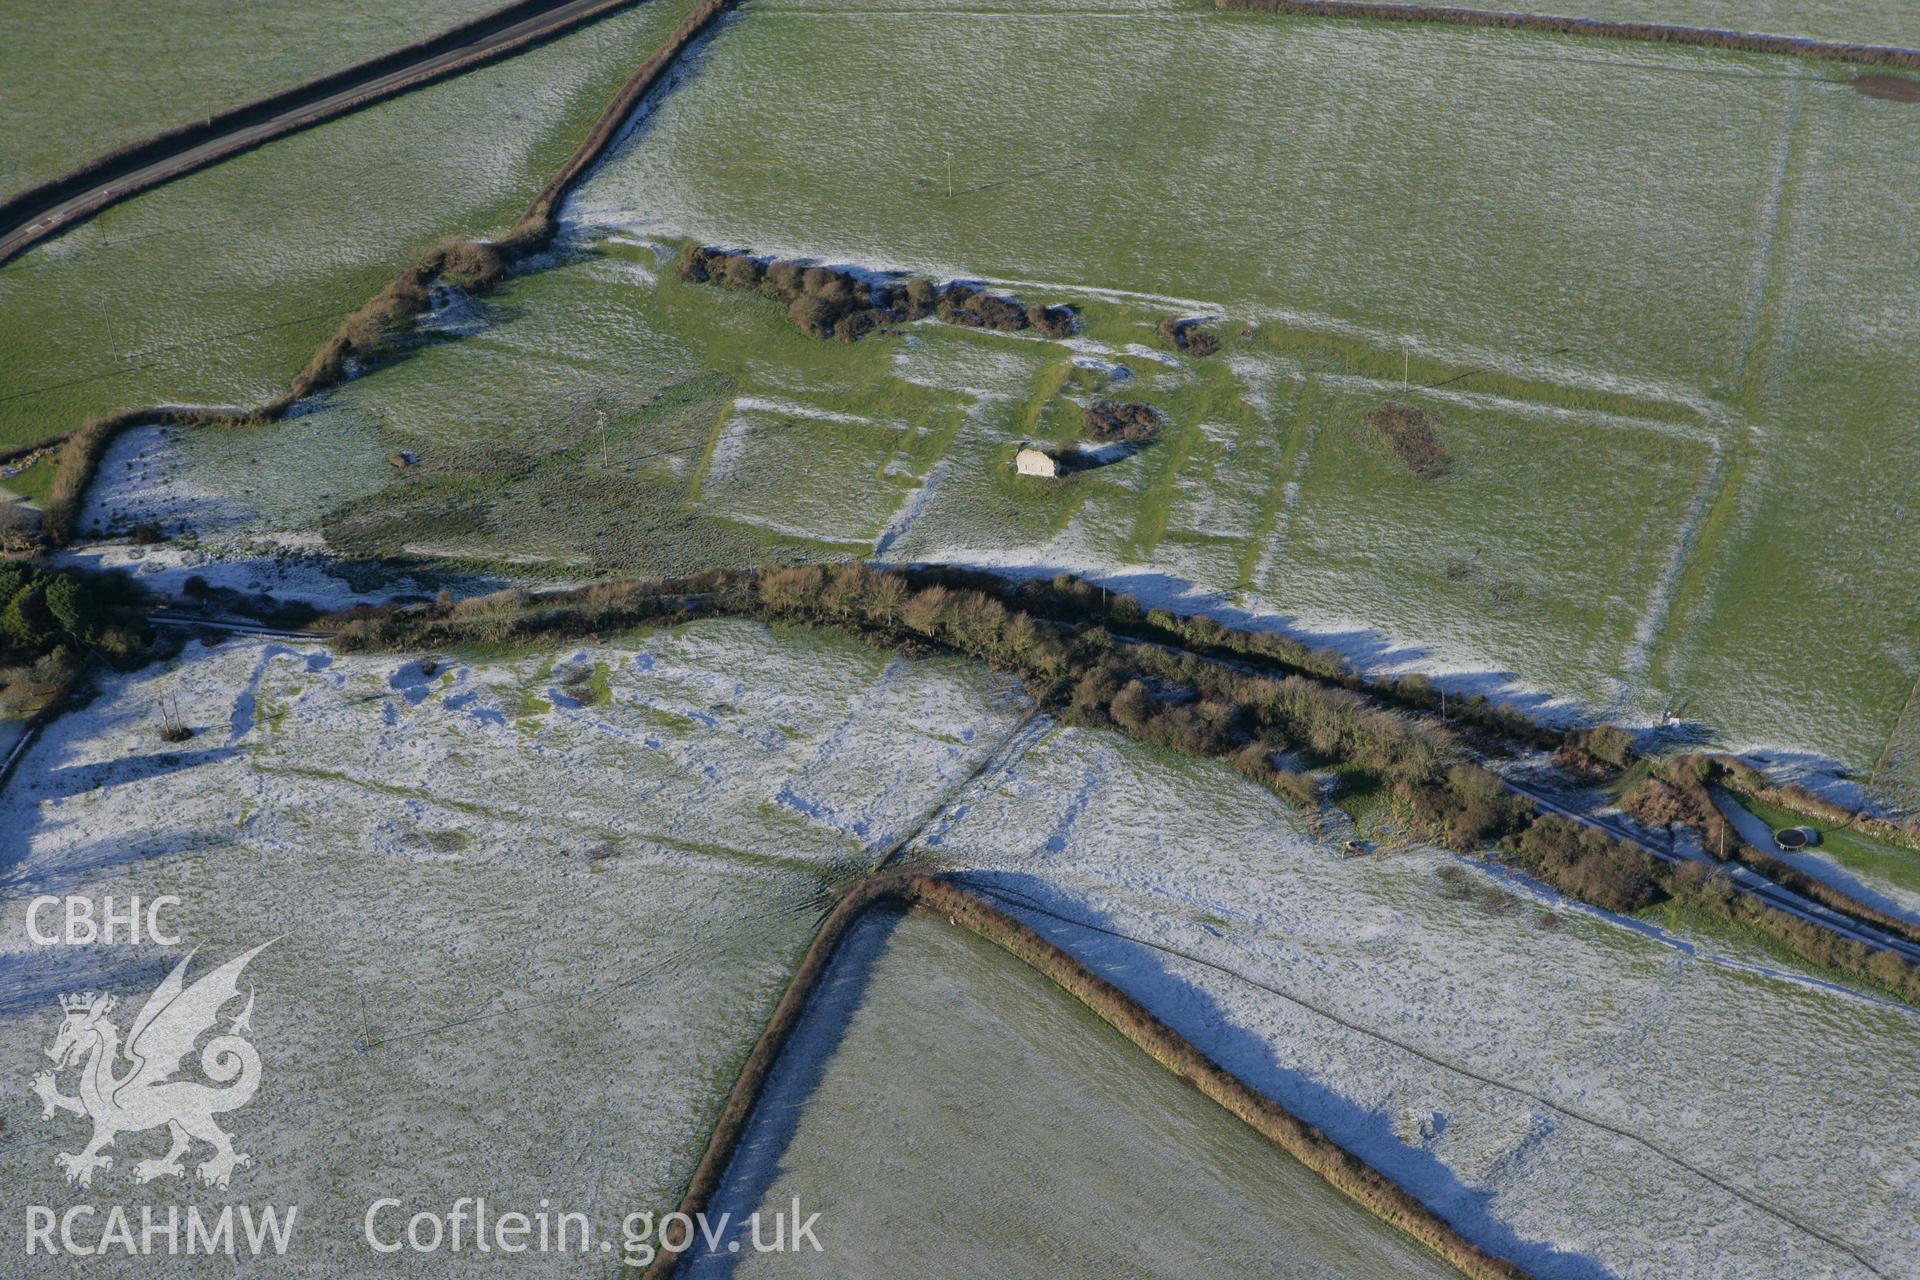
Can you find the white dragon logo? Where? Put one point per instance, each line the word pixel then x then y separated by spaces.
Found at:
pixel 145 1097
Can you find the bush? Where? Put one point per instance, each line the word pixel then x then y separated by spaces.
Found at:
pixel 813 314
pixel 783 279
pixel 921 297
pixel 1412 435
pixel 1052 322
pixel 46 609
pixel 693 264
pixel 25 622
pixel 30 689
pixel 963 304
pixel 1130 421
pixel 742 272
pixel 1606 743
pixel 825 302
pixel 1589 864
pixel 473 265
pixel 1187 336
pixel 74 610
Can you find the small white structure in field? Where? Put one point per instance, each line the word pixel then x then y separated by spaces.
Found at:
pixel 1032 462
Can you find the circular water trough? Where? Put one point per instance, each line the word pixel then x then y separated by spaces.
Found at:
pixel 1795 838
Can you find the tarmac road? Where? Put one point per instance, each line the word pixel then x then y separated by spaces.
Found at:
pixel 28 226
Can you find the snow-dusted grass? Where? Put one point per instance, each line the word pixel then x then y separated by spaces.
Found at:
pixel 1800 606
pixel 946 1051
pixel 1588 1095
pixel 1457 194
pixel 217 288
pixel 76 81
pixel 1288 167
pixel 1599 352
pixel 1677 439
pixel 560 926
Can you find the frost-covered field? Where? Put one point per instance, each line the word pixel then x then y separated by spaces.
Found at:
pixel 1455 194
pixel 928 1072
pixel 1659 484
pixel 1590 1096
pixel 1281 168
pixel 217 288
pixel 1802 600
pixel 79 79
pixel 1674 403
pixel 559 926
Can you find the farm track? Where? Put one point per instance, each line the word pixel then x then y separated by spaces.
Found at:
pixel 1586 809
pixel 1744 878
pixel 53 207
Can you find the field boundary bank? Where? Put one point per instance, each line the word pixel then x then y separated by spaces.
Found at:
pixel 390 312
pixel 1347 1173
pixel 1211 709
pixel 535 227
pixel 18 210
pixel 1875 55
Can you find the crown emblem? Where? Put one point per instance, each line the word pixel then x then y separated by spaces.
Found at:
pixel 81 1003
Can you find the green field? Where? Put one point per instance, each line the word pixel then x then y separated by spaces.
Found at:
pixel 1668 362
pixel 1737 301
pixel 151 67
pixel 1800 598
pixel 32 481
pixel 1656 400
pixel 215 289
pixel 1856 21
pixel 957 1048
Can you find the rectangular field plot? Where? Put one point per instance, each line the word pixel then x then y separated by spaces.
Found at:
pixel 1553 1079
pixel 1548 537
pixel 943 1041
pixel 602 410
pixel 1800 622
pixel 806 472
pixel 1291 169
pixel 530 912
